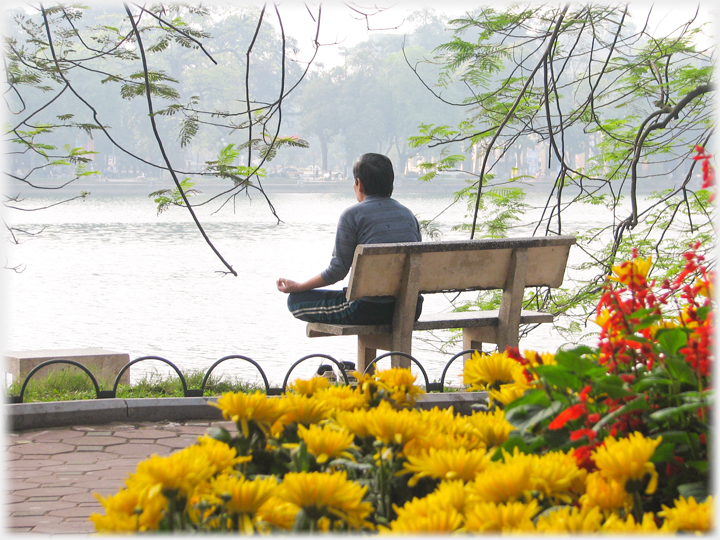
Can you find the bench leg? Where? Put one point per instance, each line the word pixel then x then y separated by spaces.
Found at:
pixel 366 354
pixel 473 338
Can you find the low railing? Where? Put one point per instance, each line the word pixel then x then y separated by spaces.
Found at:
pixel 199 392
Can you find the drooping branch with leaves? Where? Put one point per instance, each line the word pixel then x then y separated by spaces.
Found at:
pixel 612 110
pixel 63 63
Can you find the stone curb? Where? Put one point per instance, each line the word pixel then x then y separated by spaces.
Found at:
pixel 24 416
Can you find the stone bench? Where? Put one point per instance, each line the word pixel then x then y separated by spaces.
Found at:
pixel 104 365
pixel 405 270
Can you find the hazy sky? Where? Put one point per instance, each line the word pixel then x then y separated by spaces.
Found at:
pixel 340 23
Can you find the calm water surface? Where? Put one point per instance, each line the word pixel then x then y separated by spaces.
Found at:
pixel 110 273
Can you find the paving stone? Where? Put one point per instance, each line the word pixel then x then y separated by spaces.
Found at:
pixel 45 506
pixel 65 527
pixel 87 496
pixel 33 521
pixel 52 435
pixel 47 492
pixel 93 448
pixel 51 448
pixel 40 461
pixel 67 468
pixel 180 442
pixel 85 457
pixel 146 433
pixel 140 450
pixel 99 440
pixel 23 474
pixel 78 511
pixel 19 485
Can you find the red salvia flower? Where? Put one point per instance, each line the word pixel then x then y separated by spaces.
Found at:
pixel 571 413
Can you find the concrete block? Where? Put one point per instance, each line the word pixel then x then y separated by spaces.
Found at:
pixel 171 409
pixel 461 402
pixel 103 364
pixel 49 414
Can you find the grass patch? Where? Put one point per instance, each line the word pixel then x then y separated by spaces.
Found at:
pixel 72 384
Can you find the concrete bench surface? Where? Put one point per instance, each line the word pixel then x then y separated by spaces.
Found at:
pixel 405 270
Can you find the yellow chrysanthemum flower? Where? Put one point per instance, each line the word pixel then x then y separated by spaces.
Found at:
pixel 557 476
pixel 452 464
pixel 632 272
pixel 540 359
pixel 242 497
pixel 605 493
pixel 628 459
pixel 511 517
pixel 129 511
pixel 502 482
pixel 356 421
pixel 491 427
pixel 327 442
pixel 342 398
pixel 400 384
pixel 173 475
pixel 394 427
pixel 569 519
pixel 439 440
pixel 257 408
pixel 485 370
pixel 220 454
pixel 309 386
pixel 276 515
pixel 617 525
pixel 301 409
pixel 439 520
pixel 688 516
pixel 329 495
pixel 507 393
pixel 426 514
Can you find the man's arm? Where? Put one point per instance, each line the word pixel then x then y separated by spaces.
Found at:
pixel 290 286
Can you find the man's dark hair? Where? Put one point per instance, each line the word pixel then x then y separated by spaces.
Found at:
pixel 376 173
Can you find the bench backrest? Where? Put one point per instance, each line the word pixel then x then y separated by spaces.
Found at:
pixel 457 265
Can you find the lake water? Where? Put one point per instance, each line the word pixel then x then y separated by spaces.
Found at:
pixel 109 272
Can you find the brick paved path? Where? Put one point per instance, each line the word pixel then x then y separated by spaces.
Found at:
pixel 51 474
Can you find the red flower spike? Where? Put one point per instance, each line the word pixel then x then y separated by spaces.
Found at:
pixel 571 413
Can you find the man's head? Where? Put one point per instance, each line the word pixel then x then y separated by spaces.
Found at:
pixel 375 171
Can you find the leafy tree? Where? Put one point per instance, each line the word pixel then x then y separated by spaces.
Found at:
pixel 374 101
pixel 609 108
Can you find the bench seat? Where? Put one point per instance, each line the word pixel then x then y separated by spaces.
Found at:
pixel 441 321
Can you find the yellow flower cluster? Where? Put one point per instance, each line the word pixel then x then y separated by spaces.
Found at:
pixel 503 377
pixel 510 495
pixel 309 456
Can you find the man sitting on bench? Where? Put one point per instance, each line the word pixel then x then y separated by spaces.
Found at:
pixel 376 219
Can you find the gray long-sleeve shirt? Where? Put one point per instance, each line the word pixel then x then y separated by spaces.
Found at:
pixel 376 220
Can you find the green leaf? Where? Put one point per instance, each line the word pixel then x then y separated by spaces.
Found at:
pixel 681 370
pixel 536 414
pixel 696 490
pixel 651 382
pixel 674 412
pixel 700 466
pixel 664 452
pixel 672 340
pixel 532 397
pixel 613 386
pixel 559 376
pixel 637 404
